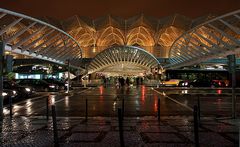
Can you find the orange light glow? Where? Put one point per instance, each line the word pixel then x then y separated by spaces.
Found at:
pixel 155 96
pixel 143 90
pixel 155 105
pixel 101 90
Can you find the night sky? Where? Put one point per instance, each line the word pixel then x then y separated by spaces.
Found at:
pixel 62 9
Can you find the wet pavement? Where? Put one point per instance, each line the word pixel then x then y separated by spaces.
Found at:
pixel 213 102
pixel 29 126
pixel 103 131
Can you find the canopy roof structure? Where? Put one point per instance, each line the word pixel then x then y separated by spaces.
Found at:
pixel 177 37
pixel 152 34
pixel 123 60
pixel 215 38
pixel 25 35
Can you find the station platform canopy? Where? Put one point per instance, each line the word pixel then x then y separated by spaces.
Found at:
pixel 123 60
pixel 28 36
pixel 213 39
pixel 183 40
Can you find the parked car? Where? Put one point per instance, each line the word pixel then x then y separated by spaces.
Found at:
pixel 7 93
pixel 38 85
pixel 61 85
pixel 23 91
pixel 220 83
pixel 203 83
pixel 184 83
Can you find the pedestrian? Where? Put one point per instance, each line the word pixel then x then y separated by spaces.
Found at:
pixel 127 81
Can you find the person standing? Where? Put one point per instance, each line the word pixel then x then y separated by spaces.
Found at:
pixel 127 81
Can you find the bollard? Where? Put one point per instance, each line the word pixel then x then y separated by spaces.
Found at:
pixel 123 109
pixel 158 107
pixel 86 112
pixel 47 108
pixel 1 130
pixel 56 143
pixel 10 107
pixel 196 125
pixel 199 111
pixel 120 125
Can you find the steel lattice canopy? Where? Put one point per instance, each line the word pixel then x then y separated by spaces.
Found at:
pixel 215 38
pixel 25 35
pixel 123 60
pixel 155 35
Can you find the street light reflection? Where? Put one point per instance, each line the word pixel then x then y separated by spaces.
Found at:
pixel 143 90
pixel 28 107
pixel 155 105
pixel 29 103
pixel 101 90
pixel 219 91
pixel 16 107
pixel 5 111
pixel 52 99
pixel 114 105
pixel 155 96
pixel 66 101
pixel 27 125
pixel 184 91
pixel 29 110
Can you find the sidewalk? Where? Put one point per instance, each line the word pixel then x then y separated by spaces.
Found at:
pixel 103 131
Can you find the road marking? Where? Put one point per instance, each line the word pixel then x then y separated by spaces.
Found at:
pixel 222 94
pixel 198 88
pixel 184 105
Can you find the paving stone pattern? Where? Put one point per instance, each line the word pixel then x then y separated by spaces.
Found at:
pixel 104 131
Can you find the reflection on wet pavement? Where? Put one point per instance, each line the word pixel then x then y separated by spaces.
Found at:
pixel 29 126
pixel 103 131
pixel 213 102
pixel 138 101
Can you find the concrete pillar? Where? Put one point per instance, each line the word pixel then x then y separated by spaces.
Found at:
pixel 9 63
pixel 78 76
pixel 2 46
pixel 232 72
pixel 68 76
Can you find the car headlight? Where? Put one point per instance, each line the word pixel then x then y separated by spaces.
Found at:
pixel 186 83
pixel 28 89
pixel 14 92
pixel 4 94
pixel 51 86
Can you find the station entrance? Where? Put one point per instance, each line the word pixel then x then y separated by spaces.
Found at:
pixel 124 64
